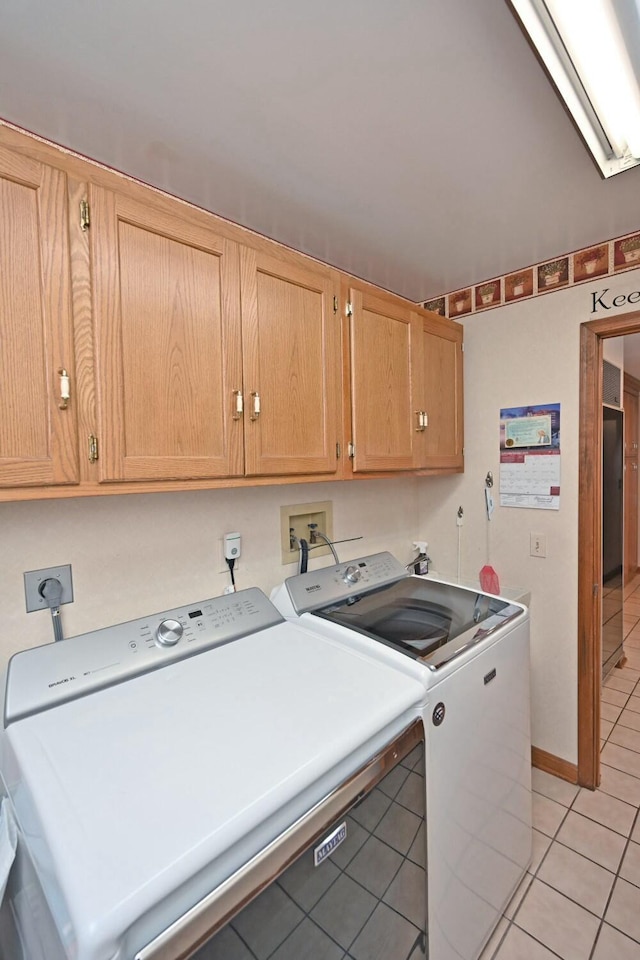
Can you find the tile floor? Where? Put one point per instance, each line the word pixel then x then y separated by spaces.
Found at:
pixel 580 899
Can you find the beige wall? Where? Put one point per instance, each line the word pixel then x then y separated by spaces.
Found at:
pixel 134 555
pixel 526 353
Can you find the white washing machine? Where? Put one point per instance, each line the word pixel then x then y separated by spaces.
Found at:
pixel 212 780
pixel 470 652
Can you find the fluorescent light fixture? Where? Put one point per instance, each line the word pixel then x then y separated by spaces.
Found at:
pixel 582 46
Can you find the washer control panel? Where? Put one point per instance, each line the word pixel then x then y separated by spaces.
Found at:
pixel 321 588
pixel 45 676
pixel 352 574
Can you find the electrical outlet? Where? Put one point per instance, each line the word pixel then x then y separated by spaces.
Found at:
pixel 232 546
pixel 33 579
pixel 227 543
pixel 298 517
pixel 538 545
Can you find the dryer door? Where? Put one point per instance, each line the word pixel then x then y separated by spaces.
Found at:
pixel 348 880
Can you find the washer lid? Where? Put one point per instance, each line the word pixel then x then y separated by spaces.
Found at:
pixel 139 799
pixel 427 619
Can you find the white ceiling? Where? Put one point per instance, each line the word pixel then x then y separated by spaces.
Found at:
pixel 415 143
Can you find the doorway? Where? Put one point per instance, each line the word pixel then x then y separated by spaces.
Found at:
pixel 590 539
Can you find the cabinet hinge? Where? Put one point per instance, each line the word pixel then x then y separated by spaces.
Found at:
pixel 93 448
pixel 338 451
pixel 348 310
pixel 462 347
pixel 351 451
pixel 85 222
pixel 335 304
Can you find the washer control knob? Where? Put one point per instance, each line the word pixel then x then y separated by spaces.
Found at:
pixel 352 574
pixel 169 632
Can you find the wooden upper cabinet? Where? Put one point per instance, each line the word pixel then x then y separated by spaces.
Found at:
pixel 386 350
pixel 441 394
pixel 168 342
pixel 202 352
pixel 38 443
pixel 292 365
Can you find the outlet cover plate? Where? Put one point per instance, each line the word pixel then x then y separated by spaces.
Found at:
pixel 33 579
pixel 538 545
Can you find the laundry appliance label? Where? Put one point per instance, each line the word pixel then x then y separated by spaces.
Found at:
pixel 329 844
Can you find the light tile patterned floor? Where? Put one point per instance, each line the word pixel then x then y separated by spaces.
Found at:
pixel 581 897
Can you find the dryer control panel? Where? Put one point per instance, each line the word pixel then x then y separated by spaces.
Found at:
pixel 45 676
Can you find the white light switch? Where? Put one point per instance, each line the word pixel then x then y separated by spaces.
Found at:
pixel 538 545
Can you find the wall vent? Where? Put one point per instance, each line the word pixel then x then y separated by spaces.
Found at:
pixel 611 384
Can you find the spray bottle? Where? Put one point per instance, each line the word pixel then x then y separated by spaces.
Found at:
pixel 422 561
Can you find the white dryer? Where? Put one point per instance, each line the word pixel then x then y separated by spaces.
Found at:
pixel 470 651
pixel 210 778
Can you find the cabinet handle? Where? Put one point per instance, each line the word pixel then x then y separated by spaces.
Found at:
pixel 239 404
pixel 64 389
pixel 256 405
pixel 422 421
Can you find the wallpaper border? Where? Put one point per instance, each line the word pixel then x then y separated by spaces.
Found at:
pixel 599 260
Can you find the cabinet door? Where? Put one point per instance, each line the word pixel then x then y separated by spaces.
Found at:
pixel 38 443
pixel 385 368
pixel 167 314
pixel 291 354
pixel 442 386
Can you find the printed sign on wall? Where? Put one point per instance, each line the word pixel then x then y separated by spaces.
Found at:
pixel 530 457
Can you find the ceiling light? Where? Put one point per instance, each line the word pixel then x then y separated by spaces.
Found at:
pixel 583 49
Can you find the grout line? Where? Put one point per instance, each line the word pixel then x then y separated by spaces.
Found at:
pixel 544 945
pixel 576 902
pixel 499 943
pixel 594 862
pixel 599 930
